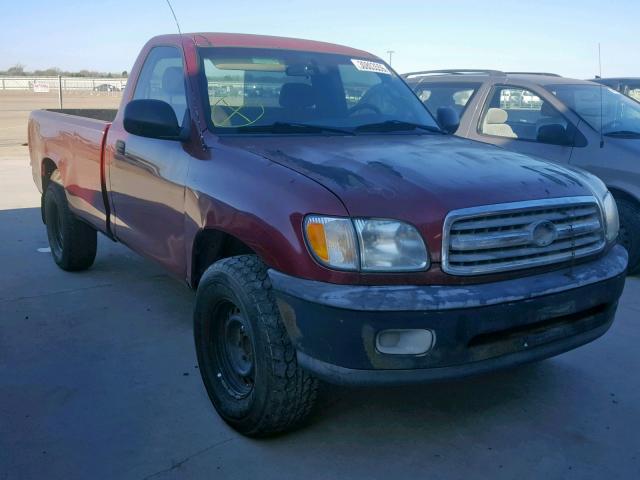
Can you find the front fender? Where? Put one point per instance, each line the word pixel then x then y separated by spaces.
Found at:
pixel 260 203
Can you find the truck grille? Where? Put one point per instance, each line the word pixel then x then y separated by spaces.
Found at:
pixel 510 236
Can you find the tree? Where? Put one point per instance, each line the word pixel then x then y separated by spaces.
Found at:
pixel 125 74
pixel 16 70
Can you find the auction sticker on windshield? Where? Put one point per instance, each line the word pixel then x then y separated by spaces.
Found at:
pixel 367 66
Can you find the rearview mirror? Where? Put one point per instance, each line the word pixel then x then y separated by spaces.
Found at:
pixel 152 119
pixel 448 119
pixel 300 70
pixel 554 134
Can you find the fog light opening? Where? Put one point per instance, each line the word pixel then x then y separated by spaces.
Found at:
pixel 405 342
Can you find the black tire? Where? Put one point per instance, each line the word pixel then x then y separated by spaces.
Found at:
pixel 629 236
pixel 73 243
pixel 235 317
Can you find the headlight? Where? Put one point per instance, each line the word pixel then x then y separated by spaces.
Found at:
pixel 387 245
pixel 373 245
pixel 607 204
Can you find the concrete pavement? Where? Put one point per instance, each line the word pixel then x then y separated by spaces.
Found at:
pixel 98 379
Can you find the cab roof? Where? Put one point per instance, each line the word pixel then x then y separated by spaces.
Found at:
pixel 216 39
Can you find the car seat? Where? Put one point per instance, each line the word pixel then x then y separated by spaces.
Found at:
pixel 297 100
pixel 495 123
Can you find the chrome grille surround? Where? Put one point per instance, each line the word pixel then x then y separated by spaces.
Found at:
pixel 500 238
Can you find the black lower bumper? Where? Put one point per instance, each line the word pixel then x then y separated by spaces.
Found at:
pixel 478 328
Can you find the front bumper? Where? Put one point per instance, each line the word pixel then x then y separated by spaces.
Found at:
pixel 478 327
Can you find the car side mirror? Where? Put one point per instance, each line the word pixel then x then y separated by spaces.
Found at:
pixel 448 119
pixel 554 134
pixel 152 119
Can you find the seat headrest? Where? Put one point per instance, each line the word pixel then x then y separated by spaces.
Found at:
pixel 547 110
pixel 496 116
pixel 173 81
pixel 297 95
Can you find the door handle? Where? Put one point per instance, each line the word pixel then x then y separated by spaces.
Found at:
pixel 120 147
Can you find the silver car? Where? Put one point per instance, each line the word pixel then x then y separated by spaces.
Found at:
pixel 575 122
pixel 630 86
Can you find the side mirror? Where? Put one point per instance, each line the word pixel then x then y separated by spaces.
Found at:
pixel 554 134
pixel 448 119
pixel 152 119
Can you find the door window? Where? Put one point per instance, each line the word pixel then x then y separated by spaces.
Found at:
pixel 518 113
pixel 162 78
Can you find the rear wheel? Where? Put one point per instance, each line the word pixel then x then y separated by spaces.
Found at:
pixel 629 236
pixel 73 243
pixel 247 362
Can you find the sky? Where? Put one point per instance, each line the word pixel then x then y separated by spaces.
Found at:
pixel 538 35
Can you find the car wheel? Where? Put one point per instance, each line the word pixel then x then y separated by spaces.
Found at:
pixel 629 236
pixel 73 243
pixel 247 363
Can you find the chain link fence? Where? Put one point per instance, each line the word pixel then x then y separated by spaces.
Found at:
pixel 47 84
pixel 64 88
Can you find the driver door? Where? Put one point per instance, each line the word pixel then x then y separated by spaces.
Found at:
pixel 147 175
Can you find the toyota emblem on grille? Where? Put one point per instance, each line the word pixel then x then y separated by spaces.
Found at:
pixel 543 233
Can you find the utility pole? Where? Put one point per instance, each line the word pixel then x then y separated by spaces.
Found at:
pixel 390 52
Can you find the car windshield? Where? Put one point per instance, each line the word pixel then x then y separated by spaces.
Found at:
pixel 254 90
pixel 455 95
pixel 602 108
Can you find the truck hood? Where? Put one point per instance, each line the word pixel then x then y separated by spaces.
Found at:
pixel 415 178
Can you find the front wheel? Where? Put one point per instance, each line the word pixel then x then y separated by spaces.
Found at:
pixel 247 362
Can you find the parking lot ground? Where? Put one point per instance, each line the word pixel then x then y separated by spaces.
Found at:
pixel 98 379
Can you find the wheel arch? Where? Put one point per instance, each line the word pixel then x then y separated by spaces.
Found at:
pixel 211 245
pixel 623 194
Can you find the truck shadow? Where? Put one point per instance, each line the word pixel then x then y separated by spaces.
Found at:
pixel 439 403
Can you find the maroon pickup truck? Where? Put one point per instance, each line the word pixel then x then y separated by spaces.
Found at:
pixel 332 227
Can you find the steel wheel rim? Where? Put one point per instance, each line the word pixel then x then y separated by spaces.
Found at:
pixel 233 349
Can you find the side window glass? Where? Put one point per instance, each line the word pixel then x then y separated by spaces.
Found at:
pixel 521 114
pixel 162 78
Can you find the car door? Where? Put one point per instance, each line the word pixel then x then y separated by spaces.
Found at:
pixel 147 175
pixel 525 121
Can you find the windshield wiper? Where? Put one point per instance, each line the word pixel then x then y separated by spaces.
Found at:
pixel 293 127
pixel 396 126
pixel 623 134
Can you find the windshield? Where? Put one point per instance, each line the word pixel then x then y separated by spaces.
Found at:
pixel 284 91
pixel 455 95
pixel 616 113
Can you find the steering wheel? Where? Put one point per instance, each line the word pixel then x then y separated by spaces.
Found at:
pixel 364 106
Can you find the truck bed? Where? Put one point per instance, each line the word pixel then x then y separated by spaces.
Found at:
pixel 72 141
pixel 104 114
